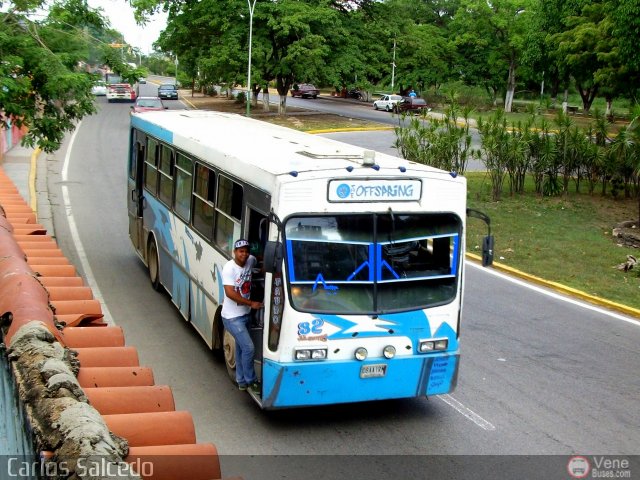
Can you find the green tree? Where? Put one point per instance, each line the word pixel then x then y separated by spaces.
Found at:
pixel 290 38
pixel 625 16
pixel 40 85
pixel 500 27
pixel 578 46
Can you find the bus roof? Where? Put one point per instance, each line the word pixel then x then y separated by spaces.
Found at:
pixel 253 144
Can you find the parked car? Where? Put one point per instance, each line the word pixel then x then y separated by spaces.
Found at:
pixel 99 88
pixel 305 90
pixel 142 80
pixel 146 104
pixel 386 102
pixel 410 104
pixel 168 91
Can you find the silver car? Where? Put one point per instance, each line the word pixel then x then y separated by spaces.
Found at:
pixel 386 102
pixel 99 88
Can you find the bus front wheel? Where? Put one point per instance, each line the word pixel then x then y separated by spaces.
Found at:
pixel 229 349
pixel 154 265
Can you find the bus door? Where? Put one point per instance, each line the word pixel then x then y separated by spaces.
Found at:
pixel 134 194
pixel 257 230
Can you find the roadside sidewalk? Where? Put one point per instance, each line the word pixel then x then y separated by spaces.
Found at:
pixel 27 169
pixel 17 164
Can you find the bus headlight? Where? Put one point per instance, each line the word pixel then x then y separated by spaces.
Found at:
pixel 361 353
pixel 389 351
pixel 305 354
pixel 426 346
pixel 319 354
pixel 441 344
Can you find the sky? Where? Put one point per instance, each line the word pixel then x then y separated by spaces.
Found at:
pixel 120 15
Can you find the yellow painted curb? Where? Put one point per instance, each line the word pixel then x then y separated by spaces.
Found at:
pixel 562 288
pixel 190 104
pixel 350 129
pixel 32 180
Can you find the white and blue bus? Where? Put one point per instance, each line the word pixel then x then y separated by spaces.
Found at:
pixel 362 253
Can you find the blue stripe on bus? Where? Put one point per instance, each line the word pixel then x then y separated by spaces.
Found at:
pixel 290 270
pixel 456 248
pixel 414 325
pixel 151 128
pixel 329 382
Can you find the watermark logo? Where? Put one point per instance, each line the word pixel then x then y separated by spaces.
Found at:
pixel 578 467
pixel 599 467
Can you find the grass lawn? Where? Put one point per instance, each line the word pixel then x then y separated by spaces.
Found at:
pixel 563 239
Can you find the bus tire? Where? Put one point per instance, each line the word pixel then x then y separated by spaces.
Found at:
pixel 229 351
pixel 153 263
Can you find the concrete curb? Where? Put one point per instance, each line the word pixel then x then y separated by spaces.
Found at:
pixel 32 180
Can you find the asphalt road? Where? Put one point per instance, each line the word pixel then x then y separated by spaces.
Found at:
pixel 540 375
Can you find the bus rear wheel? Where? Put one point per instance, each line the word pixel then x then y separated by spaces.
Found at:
pixel 154 265
pixel 229 350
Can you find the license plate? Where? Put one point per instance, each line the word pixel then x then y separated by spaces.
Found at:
pixel 372 371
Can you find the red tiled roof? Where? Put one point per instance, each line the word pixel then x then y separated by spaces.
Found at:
pixel 38 284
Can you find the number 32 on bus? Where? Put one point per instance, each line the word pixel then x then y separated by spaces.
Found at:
pixel 362 253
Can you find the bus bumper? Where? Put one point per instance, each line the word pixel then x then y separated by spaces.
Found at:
pixel 323 383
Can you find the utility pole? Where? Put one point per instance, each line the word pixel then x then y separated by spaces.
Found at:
pixel 252 5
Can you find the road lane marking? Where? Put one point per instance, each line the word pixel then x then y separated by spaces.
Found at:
pixel 467 412
pixel 557 296
pixel 75 236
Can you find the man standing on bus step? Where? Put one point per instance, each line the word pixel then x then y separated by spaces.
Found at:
pixel 236 312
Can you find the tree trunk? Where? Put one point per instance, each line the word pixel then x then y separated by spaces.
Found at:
pixel 511 85
pixel 588 95
pixel 492 94
pixel 265 99
pixel 555 88
pixel 255 91
pixel 283 83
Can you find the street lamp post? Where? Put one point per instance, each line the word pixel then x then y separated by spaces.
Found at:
pixel 252 5
pixel 393 65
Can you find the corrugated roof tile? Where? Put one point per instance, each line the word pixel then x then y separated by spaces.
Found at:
pixel 36 280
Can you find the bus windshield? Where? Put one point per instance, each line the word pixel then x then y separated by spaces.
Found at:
pixel 372 263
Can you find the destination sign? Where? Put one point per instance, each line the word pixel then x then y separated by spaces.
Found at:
pixel 374 190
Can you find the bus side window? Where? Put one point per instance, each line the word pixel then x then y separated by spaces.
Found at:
pixel 183 180
pixel 203 198
pixel 165 192
pixel 151 167
pixel 228 213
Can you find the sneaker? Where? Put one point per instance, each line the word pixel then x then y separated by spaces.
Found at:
pixel 255 387
pixel 242 387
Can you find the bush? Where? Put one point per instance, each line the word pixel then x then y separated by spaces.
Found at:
pixel 241 97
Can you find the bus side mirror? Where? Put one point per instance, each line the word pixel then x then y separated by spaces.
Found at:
pixel 487 251
pixel 273 257
pixel 487 242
